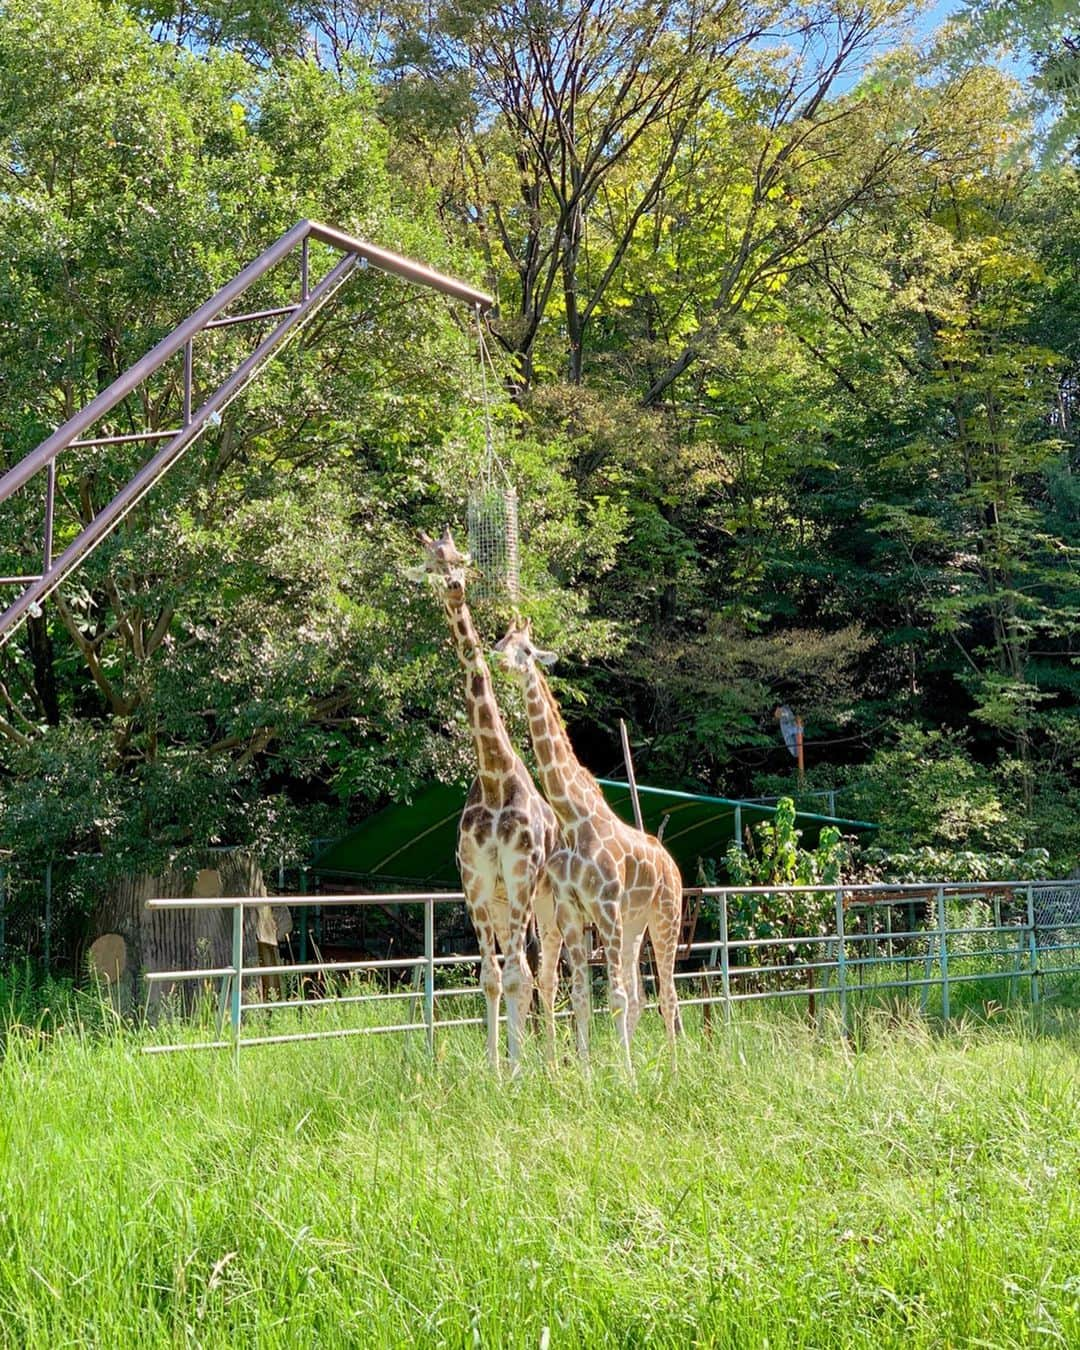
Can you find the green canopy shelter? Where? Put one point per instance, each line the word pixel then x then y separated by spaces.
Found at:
pixel 411 845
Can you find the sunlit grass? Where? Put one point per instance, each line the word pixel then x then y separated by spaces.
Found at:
pixel 906 1186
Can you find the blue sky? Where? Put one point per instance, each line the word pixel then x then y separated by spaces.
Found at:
pixel 936 15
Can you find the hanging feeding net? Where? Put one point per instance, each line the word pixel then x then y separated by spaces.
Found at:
pixel 493 540
pixel 493 511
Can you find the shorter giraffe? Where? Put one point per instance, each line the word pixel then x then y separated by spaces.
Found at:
pixel 608 873
pixel 507 832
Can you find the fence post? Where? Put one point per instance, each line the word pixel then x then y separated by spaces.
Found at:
pixel 3 909
pixel 725 960
pixel 237 974
pixel 429 972
pixel 48 916
pixel 943 953
pixel 1033 946
pixel 841 961
pixel 303 926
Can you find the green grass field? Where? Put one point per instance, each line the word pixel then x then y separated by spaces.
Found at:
pixel 780 1188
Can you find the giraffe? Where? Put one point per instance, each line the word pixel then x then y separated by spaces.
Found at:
pixel 506 835
pixel 608 873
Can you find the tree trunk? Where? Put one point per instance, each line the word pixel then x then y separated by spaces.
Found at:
pixel 188 939
pixel 39 645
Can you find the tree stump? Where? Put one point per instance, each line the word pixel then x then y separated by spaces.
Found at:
pixel 143 940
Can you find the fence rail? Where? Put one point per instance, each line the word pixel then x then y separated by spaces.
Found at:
pixel 958 933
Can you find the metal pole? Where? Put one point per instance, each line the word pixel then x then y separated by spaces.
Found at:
pixel 50 515
pixel 943 955
pixel 3 909
pixel 305 281
pixel 183 332
pixel 237 978
pixel 865 947
pixel 146 365
pixel 738 827
pixel 189 360
pixel 628 761
pixel 429 972
pixel 841 961
pixel 386 261
pixel 303 918
pixel 1033 947
pixel 832 802
pixel 48 916
pixel 725 966
pixel 155 468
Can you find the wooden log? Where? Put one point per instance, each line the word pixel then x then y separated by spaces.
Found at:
pixel 177 939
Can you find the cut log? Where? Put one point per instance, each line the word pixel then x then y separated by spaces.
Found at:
pixel 179 939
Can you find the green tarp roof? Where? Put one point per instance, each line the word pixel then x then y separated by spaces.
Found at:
pixel 412 844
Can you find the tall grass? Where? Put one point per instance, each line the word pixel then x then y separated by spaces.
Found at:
pixel 910 1187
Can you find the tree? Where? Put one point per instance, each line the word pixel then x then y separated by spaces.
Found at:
pixel 243 656
pixel 1045 33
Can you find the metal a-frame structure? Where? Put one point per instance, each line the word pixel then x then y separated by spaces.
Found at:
pixel 209 316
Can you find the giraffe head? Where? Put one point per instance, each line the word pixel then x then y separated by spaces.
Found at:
pixel 516 651
pixel 444 566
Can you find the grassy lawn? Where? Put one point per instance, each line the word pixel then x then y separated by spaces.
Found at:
pixel 782 1188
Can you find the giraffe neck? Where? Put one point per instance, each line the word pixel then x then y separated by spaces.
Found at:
pixel 494 753
pixel 570 788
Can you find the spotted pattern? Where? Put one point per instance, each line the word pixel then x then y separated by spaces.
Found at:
pixel 607 873
pixel 506 835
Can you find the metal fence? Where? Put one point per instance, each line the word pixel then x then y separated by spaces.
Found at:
pixel 830 945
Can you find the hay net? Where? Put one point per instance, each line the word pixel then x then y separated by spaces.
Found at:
pixel 493 540
pixel 493 510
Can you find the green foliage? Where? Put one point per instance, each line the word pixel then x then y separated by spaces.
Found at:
pixel 245 660
pixel 926 789
pixel 787 381
pixel 941 864
pixel 776 858
pixel 1043 32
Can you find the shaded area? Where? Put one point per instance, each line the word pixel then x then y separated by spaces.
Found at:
pixel 413 844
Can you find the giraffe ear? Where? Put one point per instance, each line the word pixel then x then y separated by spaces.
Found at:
pixel 546 658
pixel 426 539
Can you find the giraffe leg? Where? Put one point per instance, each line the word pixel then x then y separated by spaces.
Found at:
pixel 664 932
pixel 482 909
pixel 609 926
pixel 517 977
pixel 632 979
pixel 569 920
pixel 550 945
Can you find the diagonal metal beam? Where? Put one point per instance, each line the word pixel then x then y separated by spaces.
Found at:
pixel 195 323
pixel 180 339
pixel 106 520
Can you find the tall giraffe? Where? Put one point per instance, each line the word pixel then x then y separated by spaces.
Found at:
pixel 507 831
pixel 609 873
